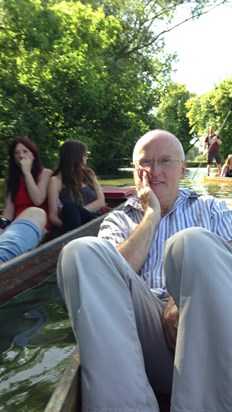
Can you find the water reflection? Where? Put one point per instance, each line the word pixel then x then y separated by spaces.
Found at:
pixel 36 337
pixel 194 179
pixel 35 341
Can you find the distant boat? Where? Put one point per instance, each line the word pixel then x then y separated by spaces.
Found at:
pixel 218 179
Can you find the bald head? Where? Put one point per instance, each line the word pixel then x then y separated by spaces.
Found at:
pixel 161 136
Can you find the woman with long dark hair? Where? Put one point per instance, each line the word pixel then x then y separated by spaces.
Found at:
pixel 27 180
pixel 227 167
pixel 75 196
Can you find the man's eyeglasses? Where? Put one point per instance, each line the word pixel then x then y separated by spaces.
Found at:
pixel 163 162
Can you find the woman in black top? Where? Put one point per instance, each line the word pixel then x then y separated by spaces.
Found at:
pixel 227 167
pixel 74 194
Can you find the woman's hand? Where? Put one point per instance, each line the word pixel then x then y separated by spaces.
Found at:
pixel 26 165
pixel 36 190
pixel 170 321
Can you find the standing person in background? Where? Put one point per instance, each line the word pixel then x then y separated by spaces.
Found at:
pixel 227 167
pixel 74 194
pixel 212 143
pixel 27 180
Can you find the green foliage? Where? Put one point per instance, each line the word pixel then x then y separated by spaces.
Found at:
pixel 66 74
pixel 172 111
pixel 213 109
pixel 193 154
pixel 84 70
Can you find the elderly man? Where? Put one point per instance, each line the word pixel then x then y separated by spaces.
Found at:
pixel 150 298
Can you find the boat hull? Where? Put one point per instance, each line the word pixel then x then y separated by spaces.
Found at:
pixel 218 180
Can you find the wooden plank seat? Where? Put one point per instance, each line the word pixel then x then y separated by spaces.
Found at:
pixel 118 192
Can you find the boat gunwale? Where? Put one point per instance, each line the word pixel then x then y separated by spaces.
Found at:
pixel 31 268
pixel 218 180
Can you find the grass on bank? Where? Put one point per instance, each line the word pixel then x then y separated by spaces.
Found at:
pixel 116 182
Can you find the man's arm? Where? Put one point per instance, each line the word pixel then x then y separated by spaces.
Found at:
pixel 206 146
pixel 135 248
pixel 218 140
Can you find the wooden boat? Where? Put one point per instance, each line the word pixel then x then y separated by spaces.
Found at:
pixel 67 395
pixel 218 180
pixel 31 268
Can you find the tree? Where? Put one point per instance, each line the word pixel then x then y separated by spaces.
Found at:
pixel 54 78
pixel 172 111
pixel 213 108
pixel 84 70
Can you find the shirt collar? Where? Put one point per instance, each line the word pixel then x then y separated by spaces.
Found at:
pixel 184 194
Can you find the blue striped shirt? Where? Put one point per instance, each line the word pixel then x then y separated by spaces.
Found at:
pixel 189 210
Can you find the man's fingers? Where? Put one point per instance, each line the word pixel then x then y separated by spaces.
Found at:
pixel 145 178
pixel 170 335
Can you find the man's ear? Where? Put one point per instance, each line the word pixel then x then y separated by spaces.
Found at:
pixel 183 169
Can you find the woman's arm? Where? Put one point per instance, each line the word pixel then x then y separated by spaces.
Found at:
pixel 54 189
pixel 99 202
pixel 9 208
pixel 224 171
pixel 37 192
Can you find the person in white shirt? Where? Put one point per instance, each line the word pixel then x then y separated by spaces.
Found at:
pixel 150 298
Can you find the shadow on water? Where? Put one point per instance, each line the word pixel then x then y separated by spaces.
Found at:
pixel 36 337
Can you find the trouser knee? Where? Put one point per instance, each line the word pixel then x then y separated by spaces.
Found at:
pixel 72 256
pixel 189 239
pixel 35 215
pixel 185 257
pixel 91 257
pixel 84 253
pixel 80 248
pixel 184 249
pixel 41 217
